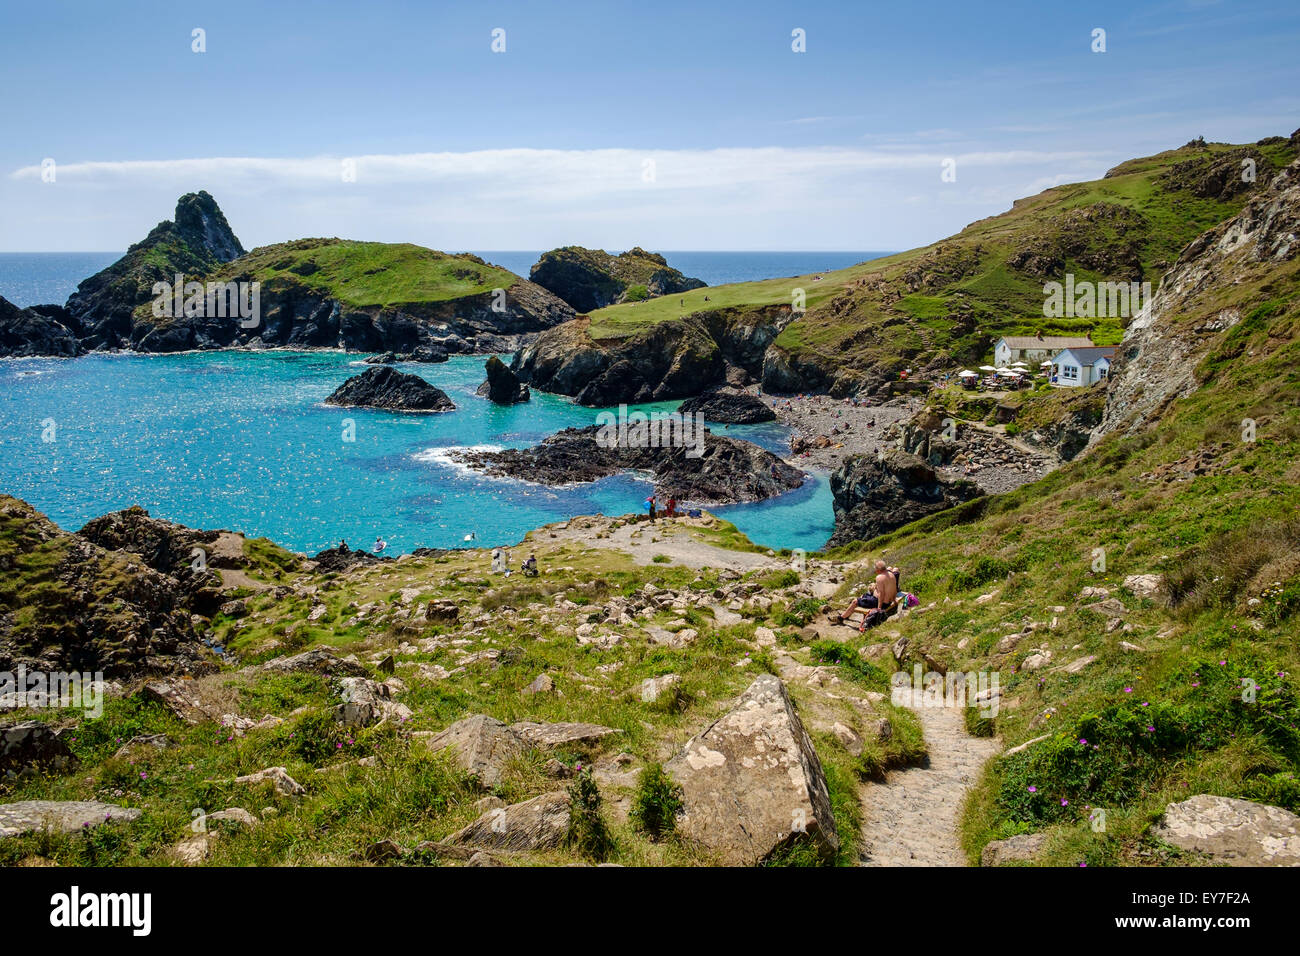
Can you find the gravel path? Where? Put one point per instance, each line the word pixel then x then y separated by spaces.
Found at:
pixel 911 819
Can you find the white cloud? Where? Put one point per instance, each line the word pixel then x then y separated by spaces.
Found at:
pixel 735 198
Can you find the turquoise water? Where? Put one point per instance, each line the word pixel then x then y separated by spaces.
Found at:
pixel 242 441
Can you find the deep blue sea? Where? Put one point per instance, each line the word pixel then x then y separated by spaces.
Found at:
pixel 241 440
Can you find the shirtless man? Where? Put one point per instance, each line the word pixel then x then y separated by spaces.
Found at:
pixel 881 593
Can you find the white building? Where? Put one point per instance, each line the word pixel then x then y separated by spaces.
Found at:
pixel 1082 366
pixel 1034 349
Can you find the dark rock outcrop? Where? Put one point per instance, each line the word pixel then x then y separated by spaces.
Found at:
pixel 590 279
pixel 729 406
pixel 727 471
pixel 385 387
pixel 67 604
pixel 677 358
pixel 41 330
pixel 502 385
pixel 30 747
pixel 187 555
pixel 876 495
pixel 342 558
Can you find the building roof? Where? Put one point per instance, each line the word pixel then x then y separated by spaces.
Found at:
pixel 1090 356
pixel 1046 341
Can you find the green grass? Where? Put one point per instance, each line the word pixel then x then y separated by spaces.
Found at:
pixel 366 274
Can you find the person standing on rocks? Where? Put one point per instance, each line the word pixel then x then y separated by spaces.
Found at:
pixel 650 507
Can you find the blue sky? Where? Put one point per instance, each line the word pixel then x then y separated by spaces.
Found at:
pixel 669 125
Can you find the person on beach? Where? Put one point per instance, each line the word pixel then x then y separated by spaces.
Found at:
pixel 879 601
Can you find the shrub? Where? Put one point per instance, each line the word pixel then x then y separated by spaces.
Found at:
pixel 588 833
pixel 657 802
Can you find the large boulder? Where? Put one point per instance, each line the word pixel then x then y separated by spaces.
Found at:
pixel 384 387
pixel 365 702
pixel 1233 832
pixel 502 386
pixel 541 823
pixel 729 406
pixel 482 746
pixel 751 782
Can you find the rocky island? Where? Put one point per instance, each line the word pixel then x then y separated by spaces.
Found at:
pixel 728 471
pixel 385 387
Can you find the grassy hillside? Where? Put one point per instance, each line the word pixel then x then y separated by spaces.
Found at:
pixel 1189 498
pixel 366 274
pixel 948 302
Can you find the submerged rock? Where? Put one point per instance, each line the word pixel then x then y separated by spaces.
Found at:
pixel 385 387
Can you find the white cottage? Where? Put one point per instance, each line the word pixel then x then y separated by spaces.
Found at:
pixel 1082 366
pixel 1034 349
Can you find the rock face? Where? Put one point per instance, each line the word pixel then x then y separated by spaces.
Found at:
pixel 876 495
pixel 728 470
pixel 1163 346
pixel 67 816
pixel 677 358
pixel 502 385
pixel 43 330
pixel 84 608
pixel 385 387
pixel 1235 832
pixel 32 746
pixel 751 782
pixel 729 406
pixel 590 279
pixel 198 240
